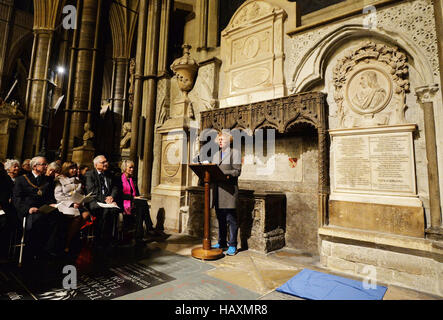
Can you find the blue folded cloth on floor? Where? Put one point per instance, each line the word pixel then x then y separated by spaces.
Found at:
pixel 314 285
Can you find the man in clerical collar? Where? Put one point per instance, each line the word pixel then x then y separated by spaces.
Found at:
pixel 31 192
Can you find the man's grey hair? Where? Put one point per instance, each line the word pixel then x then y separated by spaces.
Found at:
pixel 35 161
pixel 125 164
pixel 97 158
pixel 11 163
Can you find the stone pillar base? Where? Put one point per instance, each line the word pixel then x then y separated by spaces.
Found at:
pixel 165 207
pixel 83 155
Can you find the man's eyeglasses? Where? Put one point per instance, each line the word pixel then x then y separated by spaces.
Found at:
pixel 42 164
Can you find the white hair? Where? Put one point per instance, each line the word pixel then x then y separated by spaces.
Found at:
pixel 35 161
pixel 97 158
pixel 10 163
pixel 54 165
pixel 125 164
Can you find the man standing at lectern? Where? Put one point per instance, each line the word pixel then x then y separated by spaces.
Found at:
pixel 224 195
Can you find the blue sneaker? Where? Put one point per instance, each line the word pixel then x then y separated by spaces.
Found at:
pixel 231 251
pixel 218 246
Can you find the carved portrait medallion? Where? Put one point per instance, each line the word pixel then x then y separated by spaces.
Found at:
pixel 171 159
pixel 368 90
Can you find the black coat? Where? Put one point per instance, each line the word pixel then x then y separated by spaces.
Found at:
pixel 93 185
pixel 6 186
pixel 25 195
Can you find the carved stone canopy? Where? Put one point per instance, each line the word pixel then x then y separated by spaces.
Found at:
pixel 281 114
pixel 370 83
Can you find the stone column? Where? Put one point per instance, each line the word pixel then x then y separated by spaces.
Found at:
pixel 164 84
pixel 207 20
pixel 6 23
pixel 70 89
pixel 425 98
pixel 85 70
pixel 202 18
pixel 39 83
pixel 212 24
pixel 138 81
pixel 45 17
pixel 118 99
pixel 150 91
pixel 61 61
pixel 164 37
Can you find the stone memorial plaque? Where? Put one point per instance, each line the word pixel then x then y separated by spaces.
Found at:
pixel 391 163
pixel 352 163
pixel 375 163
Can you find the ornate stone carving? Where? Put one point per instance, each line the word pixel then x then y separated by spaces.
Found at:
pixel 88 136
pixel 370 86
pixel 10 110
pixel 249 12
pixel 204 95
pixel 414 20
pixel 131 83
pixel 185 70
pixel 126 135
pixel 164 113
pixel 426 93
pixel 280 114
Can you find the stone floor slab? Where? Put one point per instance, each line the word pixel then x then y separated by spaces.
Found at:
pixel 196 287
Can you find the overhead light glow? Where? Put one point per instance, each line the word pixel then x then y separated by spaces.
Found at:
pixel 60 70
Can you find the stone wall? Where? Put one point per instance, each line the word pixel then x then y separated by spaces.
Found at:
pixel 406 268
pixel 301 193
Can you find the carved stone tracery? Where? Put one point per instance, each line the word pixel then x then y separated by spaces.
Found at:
pixel 279 113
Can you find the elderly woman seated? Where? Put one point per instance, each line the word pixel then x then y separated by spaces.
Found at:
pixel 68 193
pixel 135 208
pixel 53 170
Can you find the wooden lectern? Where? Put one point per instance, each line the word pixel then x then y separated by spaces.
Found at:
pixel 207 172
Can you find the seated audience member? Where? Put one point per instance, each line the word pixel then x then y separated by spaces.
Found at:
pixel 102 187
pixel 53 170
pixel 7 180
pixel 81 175
pixel 12 167
pixel 26 167
pixel 82 171
pixel 31 192
pixel 132 208
pixel 66 184
pixel 5 197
